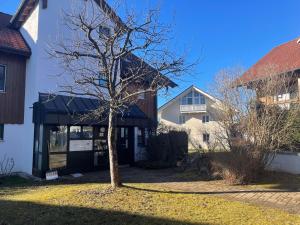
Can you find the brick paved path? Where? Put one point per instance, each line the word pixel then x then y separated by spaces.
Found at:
pixel 288 200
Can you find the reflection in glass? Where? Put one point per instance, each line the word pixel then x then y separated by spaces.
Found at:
pixel 58 139
pixel 75 132
pixel 57 161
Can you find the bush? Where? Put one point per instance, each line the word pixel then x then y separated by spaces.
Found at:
pixel 239 166
pixel 165 149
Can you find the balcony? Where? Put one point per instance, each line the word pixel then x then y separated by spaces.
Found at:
pixel 192 108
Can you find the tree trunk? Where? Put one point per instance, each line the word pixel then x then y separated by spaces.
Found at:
pixel 112 148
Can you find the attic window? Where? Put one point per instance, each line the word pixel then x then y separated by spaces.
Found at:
pixel 104 31
pixel 45 4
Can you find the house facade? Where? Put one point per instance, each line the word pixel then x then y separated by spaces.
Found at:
pixel 197 112
pixel 282 62
pixel 39 130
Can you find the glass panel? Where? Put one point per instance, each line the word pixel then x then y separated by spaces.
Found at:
pixel 190 94
pixel 75 132
pixel 100 145
pixel 58 139
pixel 197 101
pixel 196 94
pixel 2 78
pixel 87 132
pixel 202 99
pixel 81 145
pixel 1 132
pixel 190 101
pixel 183 101
pixel 57 161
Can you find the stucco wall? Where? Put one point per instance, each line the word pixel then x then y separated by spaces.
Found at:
pixel 193 124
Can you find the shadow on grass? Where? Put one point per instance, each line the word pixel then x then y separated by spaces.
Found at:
pixel 206 192
pixel 20 213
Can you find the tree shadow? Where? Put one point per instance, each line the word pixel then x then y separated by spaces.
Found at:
pixel 205 192
pixel 19 213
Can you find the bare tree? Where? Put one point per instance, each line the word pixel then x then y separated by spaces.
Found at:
pixel 110 61
pixel 253 118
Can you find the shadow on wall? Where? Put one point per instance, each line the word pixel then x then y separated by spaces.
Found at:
pixel 32 213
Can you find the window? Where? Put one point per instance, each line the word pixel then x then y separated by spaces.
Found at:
pixel 202 99
pixel 206 137
pixel 141 137
pixel 102 80
pixel 58 139
pixel 2 78
pixel 193 98
pixel 1 132
pixel 181 119
pixel 205 119
pixel 141 95
pixel 104 31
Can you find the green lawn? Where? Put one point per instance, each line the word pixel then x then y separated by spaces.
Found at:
pixel 87 203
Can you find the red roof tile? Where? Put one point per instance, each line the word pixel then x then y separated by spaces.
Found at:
pixel 12 41
pixel 283 58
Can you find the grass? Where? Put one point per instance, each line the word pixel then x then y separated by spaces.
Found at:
pixel 89 203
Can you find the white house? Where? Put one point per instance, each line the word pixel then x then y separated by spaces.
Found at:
pixel 40 135
pixel 195 111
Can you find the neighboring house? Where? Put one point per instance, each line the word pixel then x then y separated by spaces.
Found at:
pixel 282 60
pixel 197 112
pixel 37 129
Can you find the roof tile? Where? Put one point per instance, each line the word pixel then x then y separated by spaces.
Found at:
pixel 283 58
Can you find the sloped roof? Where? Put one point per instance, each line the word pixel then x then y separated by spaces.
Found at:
pixel 186 91
pixel 11 40
pixel 70 105
pixel 281 59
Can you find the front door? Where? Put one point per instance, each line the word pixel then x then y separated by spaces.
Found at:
pixel 124 145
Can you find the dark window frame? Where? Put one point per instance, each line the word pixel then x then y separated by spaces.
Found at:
pixel 205 119
pixel 1 132
pixel 5 78
pixel 206 137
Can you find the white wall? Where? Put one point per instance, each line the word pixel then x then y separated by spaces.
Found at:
pixel 286 162
pixel 193 124
pixel 43 28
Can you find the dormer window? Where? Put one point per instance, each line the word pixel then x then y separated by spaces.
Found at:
pixel 103 30
pixel 2 78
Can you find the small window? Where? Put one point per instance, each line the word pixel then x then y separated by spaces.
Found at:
pixel 2 78
pixel 181 119
pixel 1 132
pixel 141 95
pixel 205 119
pixel 104 31
pixel 102 80
pixel 141 137
pixel 206 137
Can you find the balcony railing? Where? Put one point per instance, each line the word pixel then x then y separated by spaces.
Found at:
pixel 192 108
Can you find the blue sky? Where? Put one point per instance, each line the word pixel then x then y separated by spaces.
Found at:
pixel 223 33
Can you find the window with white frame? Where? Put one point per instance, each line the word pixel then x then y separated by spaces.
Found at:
pixel 193 98
pixel 181 119
pixel 205 119
pixel 205 137
pixel 2 78
pixel 1 132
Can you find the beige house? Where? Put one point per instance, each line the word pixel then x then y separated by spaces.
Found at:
pixel 197 112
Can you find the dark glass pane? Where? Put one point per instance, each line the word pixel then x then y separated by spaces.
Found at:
pixel 58 139
pixel 2 78
pixel 75 132
pixel 87 132
pixel 1 132
pixel 190 101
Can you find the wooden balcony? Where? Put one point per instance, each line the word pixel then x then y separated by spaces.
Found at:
pixel 192 108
